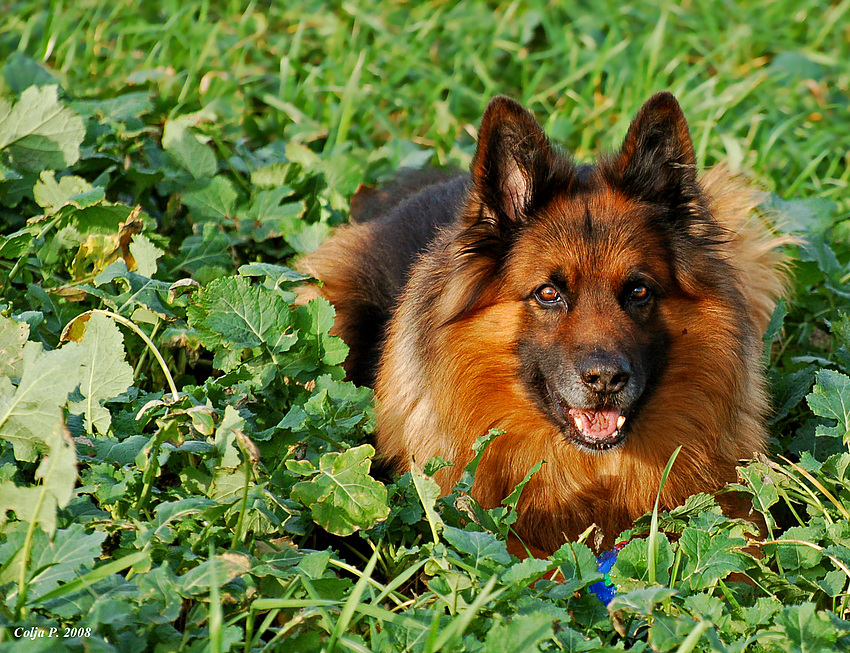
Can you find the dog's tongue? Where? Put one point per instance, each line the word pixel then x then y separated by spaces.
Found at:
pixel 597 424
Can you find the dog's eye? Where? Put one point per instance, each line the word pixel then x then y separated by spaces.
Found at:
pixel 640 293
pixel 547 295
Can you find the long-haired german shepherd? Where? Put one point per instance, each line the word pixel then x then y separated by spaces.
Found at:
pixel 601 315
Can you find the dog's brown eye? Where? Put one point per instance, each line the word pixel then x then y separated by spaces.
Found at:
pixel 640 293
pixel 547 295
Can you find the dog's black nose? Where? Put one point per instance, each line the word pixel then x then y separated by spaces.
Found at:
pixel 605 373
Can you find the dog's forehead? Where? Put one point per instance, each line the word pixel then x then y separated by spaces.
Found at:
pixel 601 230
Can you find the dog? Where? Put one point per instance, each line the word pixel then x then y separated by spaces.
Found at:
pixel 600 315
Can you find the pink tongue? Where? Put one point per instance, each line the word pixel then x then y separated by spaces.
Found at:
pixel 597 424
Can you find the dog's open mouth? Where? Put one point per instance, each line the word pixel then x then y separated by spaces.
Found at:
pixel 597 429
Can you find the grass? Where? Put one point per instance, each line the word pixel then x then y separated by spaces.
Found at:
pixel 241 129
pixel 763 84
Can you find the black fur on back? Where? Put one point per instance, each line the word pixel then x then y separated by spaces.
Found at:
pixel 402 226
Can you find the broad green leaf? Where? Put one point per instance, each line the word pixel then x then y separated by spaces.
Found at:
pixel 271 176
pixel 818 249
pixel 830 398
pixel 215 201
pixel 833 582
pixel 526 572
pixel 267 218
pixel 21 72
pixel 523 633
pixel 774 326
pixel 127 107
pixel 309 237
pixel 479 447
pixel 790 65
pixel 245 316
pixel 209 249
pixel 788 390
pixel 838 551
pixel 709 556
pixel 705 606
pixel 7 174
pixel 578 566
pixel 301 467
pixel 146 254
pixel 71 551
pixel 279 274
pixel 314 321
pixel 836 466
pixel 13 336
pixel 428 491
pixel 809 215
pixel 123 452
pixel 343 497
pixel 807 630
pixel 480 545
pixel 52 195
pixel 217 571
pixel 38 133
pixel 668 632
pixel 53 560
pixel 776 321
pixel 642 601
pixel 104 372
pixel 57 473
pixel 761 612
pixel 98 218
pixel 15 244
pixel 314 564
pixel 631 569
pixel 513 498
pixel 186 149
pixel 225 438
pixel 159 588
pixel 757 478
pixel 840 328
pixel 320 316
pixel 334 409
pixel 573 641
pixel 794 556
pixel 33 413
pixel 175 510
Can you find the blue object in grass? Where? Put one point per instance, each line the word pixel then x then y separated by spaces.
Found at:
pixel 605 590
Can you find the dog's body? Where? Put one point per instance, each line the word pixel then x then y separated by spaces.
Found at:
pixel 600 315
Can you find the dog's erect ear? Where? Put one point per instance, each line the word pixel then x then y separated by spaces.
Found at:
pixel 512 174
pixel 656 162
pixel 513 155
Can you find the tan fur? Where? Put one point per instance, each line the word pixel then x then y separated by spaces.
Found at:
pixel 755 246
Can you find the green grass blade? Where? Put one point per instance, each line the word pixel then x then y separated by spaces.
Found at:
pixel 352 602
pixel 100 573
pixel 652 540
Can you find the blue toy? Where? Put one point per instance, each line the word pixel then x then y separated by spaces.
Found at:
pixel 605 589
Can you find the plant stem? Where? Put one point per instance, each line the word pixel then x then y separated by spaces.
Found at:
pixel 132 325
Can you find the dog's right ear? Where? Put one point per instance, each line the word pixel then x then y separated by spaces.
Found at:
pixel 513 156
pixel 512 164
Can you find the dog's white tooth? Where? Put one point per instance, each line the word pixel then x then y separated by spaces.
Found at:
pixel 620 421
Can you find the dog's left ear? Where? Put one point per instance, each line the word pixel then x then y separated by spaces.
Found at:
pixel 656 162
pixel 513 154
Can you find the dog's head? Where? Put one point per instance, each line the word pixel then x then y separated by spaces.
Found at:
pixel 590 256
